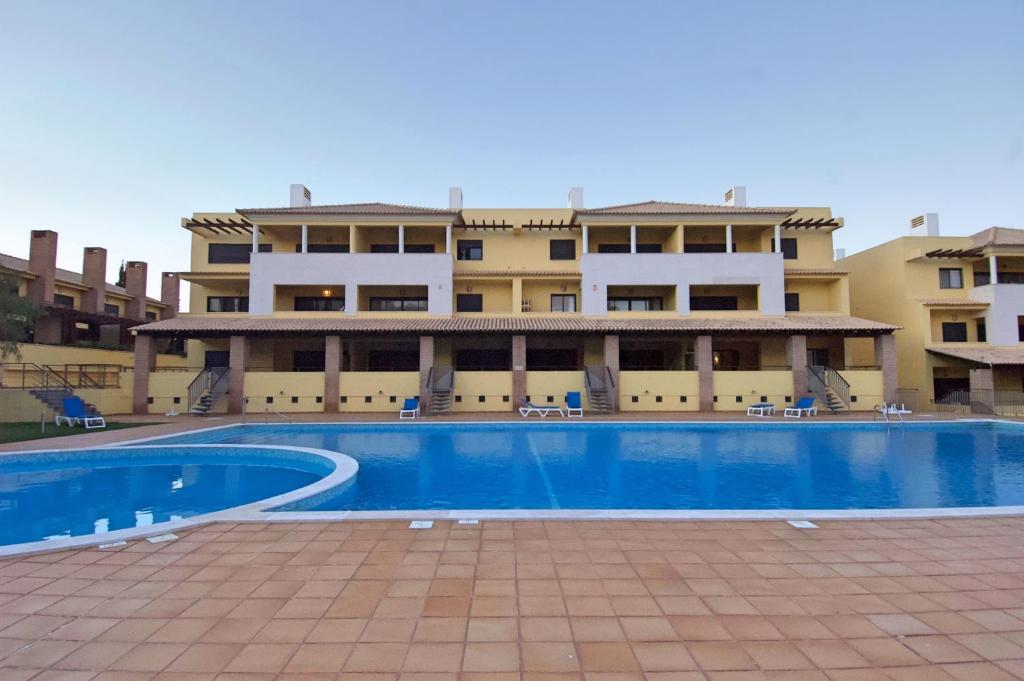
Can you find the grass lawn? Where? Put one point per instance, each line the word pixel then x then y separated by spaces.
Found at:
pixel 29 430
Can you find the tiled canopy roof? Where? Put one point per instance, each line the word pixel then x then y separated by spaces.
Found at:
pixel 350 209
pixel 249 324
pixel 952 302
pixel 999 236
pixel 989 356
pixel 671 208
pixel 15 264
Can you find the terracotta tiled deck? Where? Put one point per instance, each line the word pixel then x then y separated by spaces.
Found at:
pixel 605 601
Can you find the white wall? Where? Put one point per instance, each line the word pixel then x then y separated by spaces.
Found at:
pixel 1006 303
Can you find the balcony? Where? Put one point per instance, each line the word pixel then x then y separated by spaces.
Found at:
pixel 1005 307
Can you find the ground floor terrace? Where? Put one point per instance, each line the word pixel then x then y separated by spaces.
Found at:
pixel 978 379
pixel 495 370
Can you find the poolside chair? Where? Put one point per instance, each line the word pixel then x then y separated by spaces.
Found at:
pixel 894 409
pixel 74 412
pixel 803 407
pixel 761 409
pixel 410 408
pixel 541 410
pixel 574 405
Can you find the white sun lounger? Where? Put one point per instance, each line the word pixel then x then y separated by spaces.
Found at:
pixel 540 410
pixel 761 409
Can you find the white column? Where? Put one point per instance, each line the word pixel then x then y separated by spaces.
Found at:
pixel 586 239
pixel 632 238
pixel 728 238
pixel 305 239
pixel 993 273
pixel 255 238
pixel 448 238
pixel 778 239
pixel 401 238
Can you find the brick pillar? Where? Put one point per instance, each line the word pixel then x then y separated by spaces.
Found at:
pixel 145 360
pixel 705 374
pixel 332 373
pixel 238 357
pixel 42 262
pixel 518 370
pixel 885 358
pixel 796 352
pixel 170 294
pixel 94 275
pixel 611 361
pixel 135 273
pixel 983 398
pixel 426 364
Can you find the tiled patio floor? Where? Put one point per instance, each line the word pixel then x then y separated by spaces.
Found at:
pixel 607 601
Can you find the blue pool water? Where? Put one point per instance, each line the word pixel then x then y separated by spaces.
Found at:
pixel 48 496
pixel 661 466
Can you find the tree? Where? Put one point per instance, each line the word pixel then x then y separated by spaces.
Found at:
pixel 121 275
pixel 17 317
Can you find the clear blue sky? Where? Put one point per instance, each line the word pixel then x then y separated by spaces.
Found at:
pixel 119 118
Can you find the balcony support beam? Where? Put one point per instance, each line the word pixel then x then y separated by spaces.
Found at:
pixel 682 239
pixel 305 238
pixel 518 371
pixel 145 360
pixel 332 373
pixel 705 374
pixel 885 358
pixel 426 364
pixel 632 238
pixel 401 238
pixel 586 239
pixel 982 385
pixel 448 238
pixel 993 272
pixel 796 351
pixel 611 361
pixel 238 358
pixel 728 238
pixel 255 238
pixel 777 245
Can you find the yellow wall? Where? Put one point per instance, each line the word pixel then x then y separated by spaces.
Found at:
pixel 539 292
pixel 493 385
pixel 751 386
pixel 380 387
pixel 164 386
pixel 968 317
pixel 866 385
pixel 646 386
pixel 541 384
pixel 497 293
pixel 282 386
pixel 60 354
pixel 820 295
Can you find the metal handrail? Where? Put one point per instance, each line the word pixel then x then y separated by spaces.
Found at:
pixel 831 378
pixel 268 411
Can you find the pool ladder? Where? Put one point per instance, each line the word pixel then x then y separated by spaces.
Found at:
pixel 883 409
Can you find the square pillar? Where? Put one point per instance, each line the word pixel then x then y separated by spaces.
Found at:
pixel 238 357
pixel 517 296
pixel 983 394
pixel 518 371
pixel 632 238
pixel 401 238
pixel 993 271
pixel 728 238
pixel 705 374
pixel 426 364
pixel 305 238
pixel 145 360
pixel 682 239
pixel 586 240
pixel 796 352
pixel 611 362
pixel 255 238
pixel 448 238
pixel 885 358
pixel 777 245
pixel 332 373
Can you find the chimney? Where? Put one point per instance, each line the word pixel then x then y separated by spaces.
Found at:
pixel 736 197
pixel 170 293
pixel 925 225
pixel 301 197
pixel 94 276
pixel 135 286
pixel 454 198
pixel 840 254
pixel 576 198
pixel 42 262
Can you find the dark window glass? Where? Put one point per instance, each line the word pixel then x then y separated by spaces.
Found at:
pixel 648 248
pixel 480 359
pixel 419 248
pixel 982 332
pixel 470 249
pixel 792 302
pixel 704 248
pixel 620 304
pixel 323 248
pixel 397 304
pixel 216 358
pixel 469 302
pixel 233 253
pixel 111 309
pixel 982 279
pixel 714 303
pixel 307 360
pixel 1020 331
pixel 383 248
pixel 613 248
pixel 319 304
pixel 647 359
pixel 151 316
pixel 61 300
pixel 563 249
pixel 227 304
pixel 563 302
pixel 951 277
pixel 788 248
pixel 552 359
pixel 393 360
pixel 954 332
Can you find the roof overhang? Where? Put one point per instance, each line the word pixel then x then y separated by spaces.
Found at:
pixel 987 356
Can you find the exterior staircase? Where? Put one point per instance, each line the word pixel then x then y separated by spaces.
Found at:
pixel 597 379
pixel 206 390
pixel 830 387
pixel 441 382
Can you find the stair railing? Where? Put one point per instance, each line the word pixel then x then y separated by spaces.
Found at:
pixel 200 384
pixel 828 378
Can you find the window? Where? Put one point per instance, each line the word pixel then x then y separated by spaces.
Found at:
pixel 216 358
pixel 323 248
pixel 613 248
pixel 642 359
pixel 111 309
pixel 481 359
pixel 383 248
pixel 397 304
pixel 563 302
pixel 307 360
pixel 954 332
pixel 788 248
pixel 648 248
pixel 982 331
pixel 469 249
pixel 552 359
pixel 563 249
pixel 150 316
pixel 951 277
pixel 233 253
pixel 1020 330
pixel 61 300
pixel 419 248
pixel 982 279
pixel 319 304
pixel 714 303
pixel 227 304
pixel 704 248
pixel 469 302
pixel 619 304
pixel 393 360
pixel 792 302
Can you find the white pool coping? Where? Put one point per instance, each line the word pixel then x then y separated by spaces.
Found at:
pixel 345 467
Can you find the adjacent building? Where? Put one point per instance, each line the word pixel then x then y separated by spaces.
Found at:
pixel 960 303
pixel 647 306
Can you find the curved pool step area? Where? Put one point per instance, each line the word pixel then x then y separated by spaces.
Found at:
pixel 59 499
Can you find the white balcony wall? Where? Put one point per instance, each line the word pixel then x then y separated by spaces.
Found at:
pixel 682 270
pixel 1005 304
pixel 351 270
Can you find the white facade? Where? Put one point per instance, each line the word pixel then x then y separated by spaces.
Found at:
pixel 1006 304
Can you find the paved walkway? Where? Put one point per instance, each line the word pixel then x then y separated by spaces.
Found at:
pixel 529 601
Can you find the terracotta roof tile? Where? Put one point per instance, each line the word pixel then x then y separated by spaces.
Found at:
pixel 517 273
pixel 673 208
pixel 17 264
pixel 999 236
pixel 952 302
pixel 990 356
pixel 351 209
pixel 814 270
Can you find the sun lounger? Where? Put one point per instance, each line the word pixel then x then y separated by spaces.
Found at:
pixel 761 409
pixel 574 405
pixel 410 408
pixel 74 413
pixel 538 409
pixel 803 407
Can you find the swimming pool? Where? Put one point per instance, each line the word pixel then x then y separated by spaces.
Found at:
pixel 659 466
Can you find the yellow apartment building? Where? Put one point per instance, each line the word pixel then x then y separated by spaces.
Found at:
pixel 960 303
pixel 651 306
